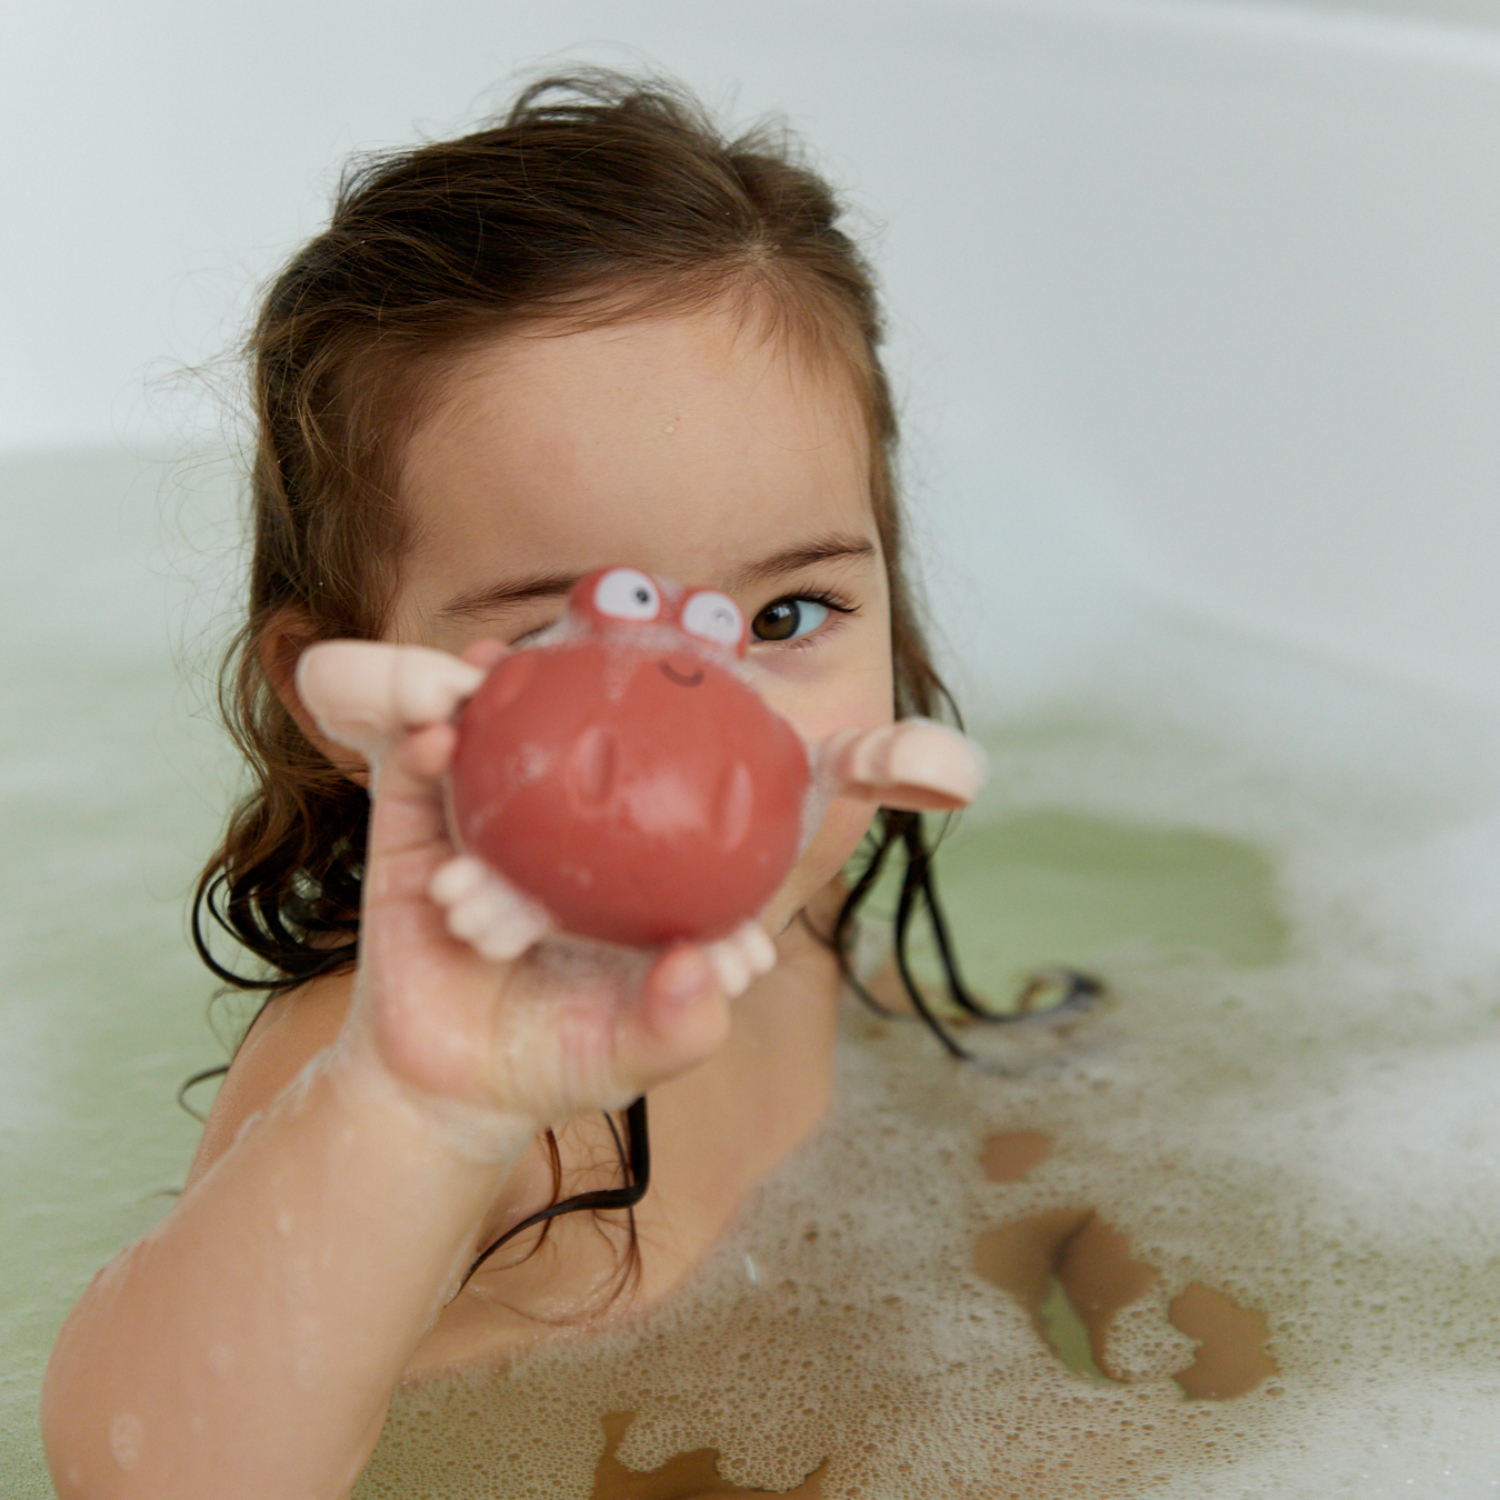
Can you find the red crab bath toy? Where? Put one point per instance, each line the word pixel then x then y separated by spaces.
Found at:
pixel 626 776
pixel 618 778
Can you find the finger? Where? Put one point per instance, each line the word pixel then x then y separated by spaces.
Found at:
pixel 680 1018
pixel 409 815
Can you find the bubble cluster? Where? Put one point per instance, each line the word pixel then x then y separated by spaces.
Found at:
pixel 1312 1142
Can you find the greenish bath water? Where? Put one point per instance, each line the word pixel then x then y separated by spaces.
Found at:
pixel 1071 886
pixel 111 791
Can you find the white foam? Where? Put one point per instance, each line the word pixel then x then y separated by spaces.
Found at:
pixel 1316 1138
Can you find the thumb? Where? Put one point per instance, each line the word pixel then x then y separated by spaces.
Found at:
pixel 680 1017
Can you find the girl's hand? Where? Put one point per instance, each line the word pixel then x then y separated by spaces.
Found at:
pixel 535 1037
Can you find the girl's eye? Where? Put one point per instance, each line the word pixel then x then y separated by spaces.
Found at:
pixel 788 619
pixel 531 635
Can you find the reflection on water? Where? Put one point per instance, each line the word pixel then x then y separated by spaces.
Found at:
pixel 1008 1155
pixel 1074 1274
pixel 1232 1357
pixel 687 1476
pixel 1089 882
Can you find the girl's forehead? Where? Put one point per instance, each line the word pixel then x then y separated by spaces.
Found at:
pixel 663 440
pixel 663 386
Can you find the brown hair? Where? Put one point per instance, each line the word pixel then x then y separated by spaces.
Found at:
pixel 596 196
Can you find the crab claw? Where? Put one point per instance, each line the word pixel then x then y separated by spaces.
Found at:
pixel 485 911
pixel 364 694
pixel 743 956
pixel 915 764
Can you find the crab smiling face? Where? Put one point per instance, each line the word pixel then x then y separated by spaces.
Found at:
pixel 625 776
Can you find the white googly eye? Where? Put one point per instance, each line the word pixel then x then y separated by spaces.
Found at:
pixel 714 616
pixel 627 594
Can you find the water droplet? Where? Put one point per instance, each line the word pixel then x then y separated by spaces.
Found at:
pixel 127 1439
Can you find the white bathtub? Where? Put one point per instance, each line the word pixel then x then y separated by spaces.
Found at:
pixel 1197 316
pixel 1227 280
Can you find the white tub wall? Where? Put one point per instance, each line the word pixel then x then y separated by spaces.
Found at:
pixel 1246 315
pixel 1195 297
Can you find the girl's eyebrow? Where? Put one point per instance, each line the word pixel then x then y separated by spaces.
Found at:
pixel 518 591
pixel 509 594
pixel 832 548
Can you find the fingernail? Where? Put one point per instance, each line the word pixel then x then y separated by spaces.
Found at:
pixel 689 978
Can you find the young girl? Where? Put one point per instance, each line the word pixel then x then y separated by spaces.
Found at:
pixel 594 334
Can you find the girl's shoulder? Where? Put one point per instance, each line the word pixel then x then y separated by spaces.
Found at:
pixel 291 1030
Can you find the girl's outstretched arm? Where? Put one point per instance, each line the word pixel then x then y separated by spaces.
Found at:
pixel 248 1347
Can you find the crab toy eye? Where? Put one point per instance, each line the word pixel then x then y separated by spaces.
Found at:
pixel 715 617
pixel 627 594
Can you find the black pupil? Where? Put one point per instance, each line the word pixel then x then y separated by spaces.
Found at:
pixel 642 597
pixel 779 621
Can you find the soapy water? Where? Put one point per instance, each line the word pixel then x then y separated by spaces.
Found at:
pixel 1287 875
pixel 1282 1136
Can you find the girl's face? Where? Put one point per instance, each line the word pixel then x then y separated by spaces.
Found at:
pixel 691 446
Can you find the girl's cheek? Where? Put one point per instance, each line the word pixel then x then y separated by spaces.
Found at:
pixel 861 698
pixel 853 664
pixel 844 826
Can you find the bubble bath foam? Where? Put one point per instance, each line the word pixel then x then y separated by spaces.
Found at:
pixel 1279 1132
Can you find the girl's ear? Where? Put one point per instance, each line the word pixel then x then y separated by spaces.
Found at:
pixel 288 634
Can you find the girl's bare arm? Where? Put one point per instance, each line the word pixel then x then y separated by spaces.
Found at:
pixel 249 1346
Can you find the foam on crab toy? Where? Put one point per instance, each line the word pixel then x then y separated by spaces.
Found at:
pixel 619 778
pixel 626 776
